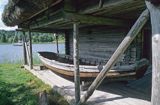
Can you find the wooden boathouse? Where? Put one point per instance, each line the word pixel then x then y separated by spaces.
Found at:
pixel 104 33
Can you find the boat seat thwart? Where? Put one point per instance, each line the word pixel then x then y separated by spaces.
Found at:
pixel 63 66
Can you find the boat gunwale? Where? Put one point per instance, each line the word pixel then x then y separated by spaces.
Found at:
pixel 83 68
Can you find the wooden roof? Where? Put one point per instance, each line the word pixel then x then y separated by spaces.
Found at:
pixel 16 11
pixel 60 14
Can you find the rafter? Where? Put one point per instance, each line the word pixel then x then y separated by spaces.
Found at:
pixel 62 17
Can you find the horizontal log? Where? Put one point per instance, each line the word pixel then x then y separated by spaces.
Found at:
pixel 120 50
pixel 88 19
pixel 59 17
pixel 43 22
pixel 111 6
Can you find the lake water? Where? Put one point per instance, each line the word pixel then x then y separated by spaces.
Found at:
pixel 12 54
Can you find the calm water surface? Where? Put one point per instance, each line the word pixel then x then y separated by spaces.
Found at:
pixel 11 54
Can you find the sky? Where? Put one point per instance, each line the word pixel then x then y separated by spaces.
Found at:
pixel 2 26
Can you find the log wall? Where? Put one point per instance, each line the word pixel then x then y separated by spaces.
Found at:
pixel 97 45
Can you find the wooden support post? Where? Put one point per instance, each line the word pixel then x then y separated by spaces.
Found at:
pixel 120 50
pixel 76 62
pixel 30 50
pixel 43 98
pixel 27 53
pixel 67 48
pixel 24 49
pixel 155 22
pixel 57 44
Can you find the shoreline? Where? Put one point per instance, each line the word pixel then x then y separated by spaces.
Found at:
pixel 60 42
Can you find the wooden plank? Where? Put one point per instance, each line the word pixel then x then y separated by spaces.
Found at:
pixel 128 94
pixel 64 87
pixel 143 84
pixel 76 61
pixel 120 50
pixel 102 96
pixel 155 22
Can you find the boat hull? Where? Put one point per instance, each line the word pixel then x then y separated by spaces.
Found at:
pixel 86 72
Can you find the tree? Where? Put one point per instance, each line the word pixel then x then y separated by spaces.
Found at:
pixel 3 38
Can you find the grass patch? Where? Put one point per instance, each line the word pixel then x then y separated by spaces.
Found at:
pixel 36 60
pixel 19 87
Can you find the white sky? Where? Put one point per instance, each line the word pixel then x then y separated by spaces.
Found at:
pixel 2 26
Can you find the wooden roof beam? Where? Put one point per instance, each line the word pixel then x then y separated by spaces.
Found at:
pixel 94 20
pixel 44 24
pixel 62 16
pixel 111 5
pixel 52 19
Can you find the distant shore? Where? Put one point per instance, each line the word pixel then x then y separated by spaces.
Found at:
pixel 54 42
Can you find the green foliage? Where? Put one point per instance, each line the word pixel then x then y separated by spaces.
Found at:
pixel 6 36
pixel 3 39
pixel 19 87
pixel 12 36
pixel 61 38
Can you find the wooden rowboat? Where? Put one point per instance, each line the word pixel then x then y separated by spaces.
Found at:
pixel 63 66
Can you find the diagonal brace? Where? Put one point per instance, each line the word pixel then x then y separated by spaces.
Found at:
pixel 136 28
